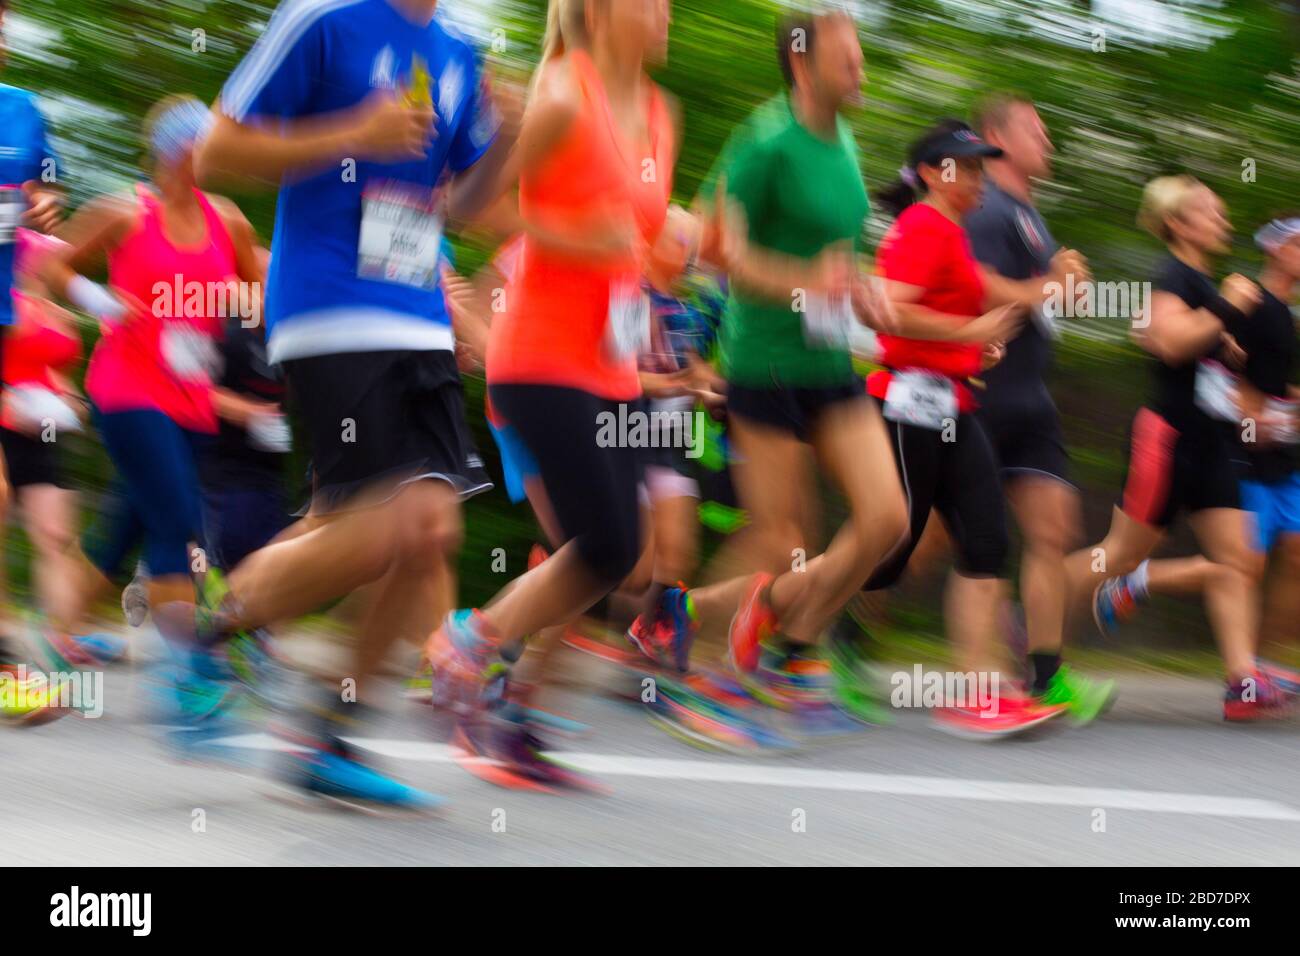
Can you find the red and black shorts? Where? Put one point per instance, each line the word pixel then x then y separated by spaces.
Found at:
pixel 1172 470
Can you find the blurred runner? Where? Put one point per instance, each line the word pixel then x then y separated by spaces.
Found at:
pixel 792 174
pixel 176 259
pixel 29 195
pixel 1022 263
pixel 374 119
pixel 1183 446
pixel 562 358
pixel 39 408
pixel 1270 396
pixel 944 455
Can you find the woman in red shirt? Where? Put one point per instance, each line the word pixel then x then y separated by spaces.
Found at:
pixel 927 392
pixel 40 407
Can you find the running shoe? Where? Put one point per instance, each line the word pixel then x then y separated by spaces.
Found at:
pixel 54 651
pixel 1084 698
pixel 458 656
pixel 702 721
pixel 1284 679
pixel 101 647
pixel 1254 698
pixel 331 772
pixel 857 688
pixel 665 636
pixel 501 744
pixel 752 625
pixel 135 601
pixel 28 698
pixel 1113 603
pixel 1014 715
pixel 257 665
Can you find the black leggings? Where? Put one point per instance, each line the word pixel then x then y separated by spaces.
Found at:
pixel 592 486
pixel 959 479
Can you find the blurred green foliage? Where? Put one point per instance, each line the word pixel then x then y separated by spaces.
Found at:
pixel 1128 88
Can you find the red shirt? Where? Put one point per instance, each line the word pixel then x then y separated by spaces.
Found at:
pixel 925 248
pixel 39 342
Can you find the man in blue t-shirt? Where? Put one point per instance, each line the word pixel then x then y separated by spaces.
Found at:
pixel 375 121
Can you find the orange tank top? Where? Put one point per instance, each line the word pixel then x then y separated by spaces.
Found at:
pixel 571 320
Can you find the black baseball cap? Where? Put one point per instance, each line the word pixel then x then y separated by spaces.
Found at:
pixel 951 140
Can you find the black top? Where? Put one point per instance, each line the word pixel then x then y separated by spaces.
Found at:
pixel 1011 238
pixel 231 462
pixel 1273 357
pixel 1175 385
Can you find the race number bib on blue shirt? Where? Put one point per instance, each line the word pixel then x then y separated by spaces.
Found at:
pixel 12 206
pixel 401 235
pixel 921 398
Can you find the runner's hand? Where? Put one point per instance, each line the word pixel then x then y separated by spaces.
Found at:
pixel 1240 293
pixel 45 208
pixel 1230 350
pixel 996 325
pixel 389 130
pixel 1067 262
pixel 993 353
pixel 872 305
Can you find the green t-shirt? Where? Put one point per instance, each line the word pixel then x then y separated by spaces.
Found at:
pixel 800 193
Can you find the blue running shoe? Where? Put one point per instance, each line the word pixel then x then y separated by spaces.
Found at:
pixel 104 648
pixel 336 776
pixel 1113 603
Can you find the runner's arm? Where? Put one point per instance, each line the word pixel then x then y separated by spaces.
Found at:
pixel 1176 333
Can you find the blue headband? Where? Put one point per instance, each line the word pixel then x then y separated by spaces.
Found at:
pixel 178 129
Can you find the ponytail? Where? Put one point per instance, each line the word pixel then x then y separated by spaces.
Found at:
pixel 901 193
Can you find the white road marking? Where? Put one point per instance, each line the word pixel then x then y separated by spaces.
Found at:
pixel 749 774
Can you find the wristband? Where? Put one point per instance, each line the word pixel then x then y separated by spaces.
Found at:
pixel 94 299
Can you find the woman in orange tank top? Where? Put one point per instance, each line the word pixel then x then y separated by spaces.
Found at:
pixel 595 159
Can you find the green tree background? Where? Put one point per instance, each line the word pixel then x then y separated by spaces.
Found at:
pixel 1129 89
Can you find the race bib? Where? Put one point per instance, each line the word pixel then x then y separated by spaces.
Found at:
pixel 1215 387
pixel 627 331
pixel 827 322
pixel 30 408
pixel 270 432
pixel 191 355
pixel 12 206
pixel 401 236
pixel 1283 415
pixel 924 399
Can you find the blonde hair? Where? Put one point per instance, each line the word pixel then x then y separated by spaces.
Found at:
pixel 1164 198
pixel 566 28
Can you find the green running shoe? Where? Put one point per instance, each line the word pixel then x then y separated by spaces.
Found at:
pixel 1084 698
pixel 853 678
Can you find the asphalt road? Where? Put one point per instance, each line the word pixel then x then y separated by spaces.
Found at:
pixel 1160 780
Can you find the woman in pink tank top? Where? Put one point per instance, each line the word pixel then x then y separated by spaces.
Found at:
pixel 179 263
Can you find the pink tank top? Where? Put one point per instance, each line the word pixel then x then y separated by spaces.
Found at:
pixel 163 354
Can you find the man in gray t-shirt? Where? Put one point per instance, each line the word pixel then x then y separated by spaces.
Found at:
pixel 1010 239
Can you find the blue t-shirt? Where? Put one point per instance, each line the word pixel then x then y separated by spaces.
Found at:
pixel 327 291
pixel 25 154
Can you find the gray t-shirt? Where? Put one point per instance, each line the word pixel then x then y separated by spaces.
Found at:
pixel 1011 238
